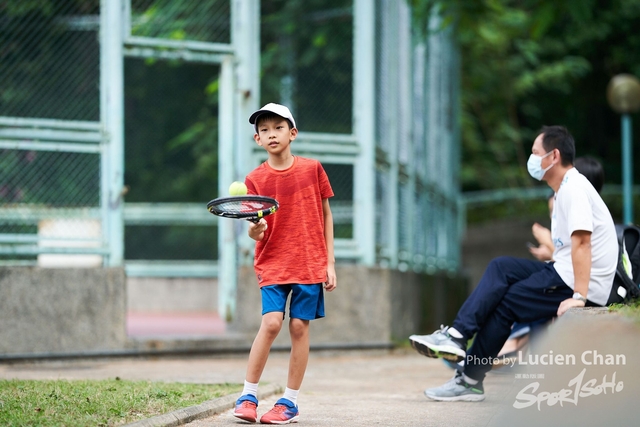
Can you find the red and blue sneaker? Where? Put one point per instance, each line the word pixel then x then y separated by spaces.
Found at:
pixel 246 408
pixel 283 412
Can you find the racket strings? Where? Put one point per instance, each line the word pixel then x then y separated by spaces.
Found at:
pixel 242 206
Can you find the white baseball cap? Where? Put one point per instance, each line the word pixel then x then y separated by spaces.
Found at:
pixel 278 109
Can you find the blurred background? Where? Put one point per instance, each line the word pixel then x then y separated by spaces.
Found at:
pixel 120 120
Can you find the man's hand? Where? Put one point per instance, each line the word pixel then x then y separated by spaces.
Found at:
pixel 569 303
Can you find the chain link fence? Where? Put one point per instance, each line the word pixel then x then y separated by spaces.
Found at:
pixel 307 61
pixel 49 134
pixel 171 105
pixel 191 20
pixel 49 62
pixel 307 64
pixel 417 226
pixel 171 159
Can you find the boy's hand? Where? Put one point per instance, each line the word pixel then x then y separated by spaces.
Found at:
pixel 257 229
pixel 541 253
pixel 542 234
pixel 332 280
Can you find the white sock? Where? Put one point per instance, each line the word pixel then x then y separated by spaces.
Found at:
pixel 250 388
pixel 469 380
pixel 454 333
pixel 291 395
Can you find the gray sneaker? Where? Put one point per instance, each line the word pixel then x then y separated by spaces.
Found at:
pixel 456 389
pixel 440 344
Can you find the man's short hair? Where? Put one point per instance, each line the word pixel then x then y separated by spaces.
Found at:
pixel 558 137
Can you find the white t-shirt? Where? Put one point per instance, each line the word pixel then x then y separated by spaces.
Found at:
pixel 578 206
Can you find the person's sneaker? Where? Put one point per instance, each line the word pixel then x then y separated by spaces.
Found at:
pixel 440 344
pixel 283 412
pixel 246 408
pixel 456 389
pixel 458 367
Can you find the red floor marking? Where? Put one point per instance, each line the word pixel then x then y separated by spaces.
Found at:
pixel 173 324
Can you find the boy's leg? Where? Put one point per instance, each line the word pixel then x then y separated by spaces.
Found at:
pixel 247 404
pixel 269 329
pixel 307 303
pixel 299 330
pixel 274 299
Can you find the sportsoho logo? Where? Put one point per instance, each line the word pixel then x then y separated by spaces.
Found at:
pixel 578 387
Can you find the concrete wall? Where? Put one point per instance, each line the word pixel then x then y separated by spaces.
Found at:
pixel 369 307
pixel 492 239
pixel 57 311
pixel 53 312
pixel 172 294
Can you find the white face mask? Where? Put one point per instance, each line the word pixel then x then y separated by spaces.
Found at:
pixel 534 166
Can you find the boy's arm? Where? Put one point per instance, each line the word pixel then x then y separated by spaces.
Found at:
pixel 256 229
pixel 332 280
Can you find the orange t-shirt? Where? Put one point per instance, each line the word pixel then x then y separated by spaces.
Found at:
pixel 293 249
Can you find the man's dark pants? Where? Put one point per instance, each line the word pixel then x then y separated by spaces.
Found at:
pixel 511 290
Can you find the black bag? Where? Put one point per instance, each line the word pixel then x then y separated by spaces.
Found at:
pixel 630 235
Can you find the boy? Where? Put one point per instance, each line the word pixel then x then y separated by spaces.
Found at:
pixel 294 254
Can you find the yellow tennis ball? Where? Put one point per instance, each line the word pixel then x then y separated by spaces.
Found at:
pixel 237 188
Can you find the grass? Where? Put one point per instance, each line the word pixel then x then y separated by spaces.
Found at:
pixel 102 403
pixel 631 310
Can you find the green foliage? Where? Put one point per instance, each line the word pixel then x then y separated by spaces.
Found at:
pixel 160 242
pixel 22 7
pixel 525 63
pixel 172 109
pixel 97 403
pixel 530 63
pixel 47 69
pixel 171 152
pixel 533 210
pixel 630 309
pixel 181 20
pixel 306 61
pixel 171 131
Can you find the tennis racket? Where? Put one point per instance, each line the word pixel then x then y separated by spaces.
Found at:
pixel 249 207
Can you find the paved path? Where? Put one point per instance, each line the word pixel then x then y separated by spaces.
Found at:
pixel 340 388
pixel 385 388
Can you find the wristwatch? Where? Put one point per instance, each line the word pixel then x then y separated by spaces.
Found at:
pixel 579 296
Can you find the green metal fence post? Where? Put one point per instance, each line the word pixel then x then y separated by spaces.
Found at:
pixel 364 115
pixel 627 169
pixel 623 95
pixel 112 119
pixel 227 249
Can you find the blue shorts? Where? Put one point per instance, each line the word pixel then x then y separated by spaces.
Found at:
pixel 307 301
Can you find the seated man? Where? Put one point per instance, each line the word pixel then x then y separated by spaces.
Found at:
pixel 521 332
pixel 521 290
